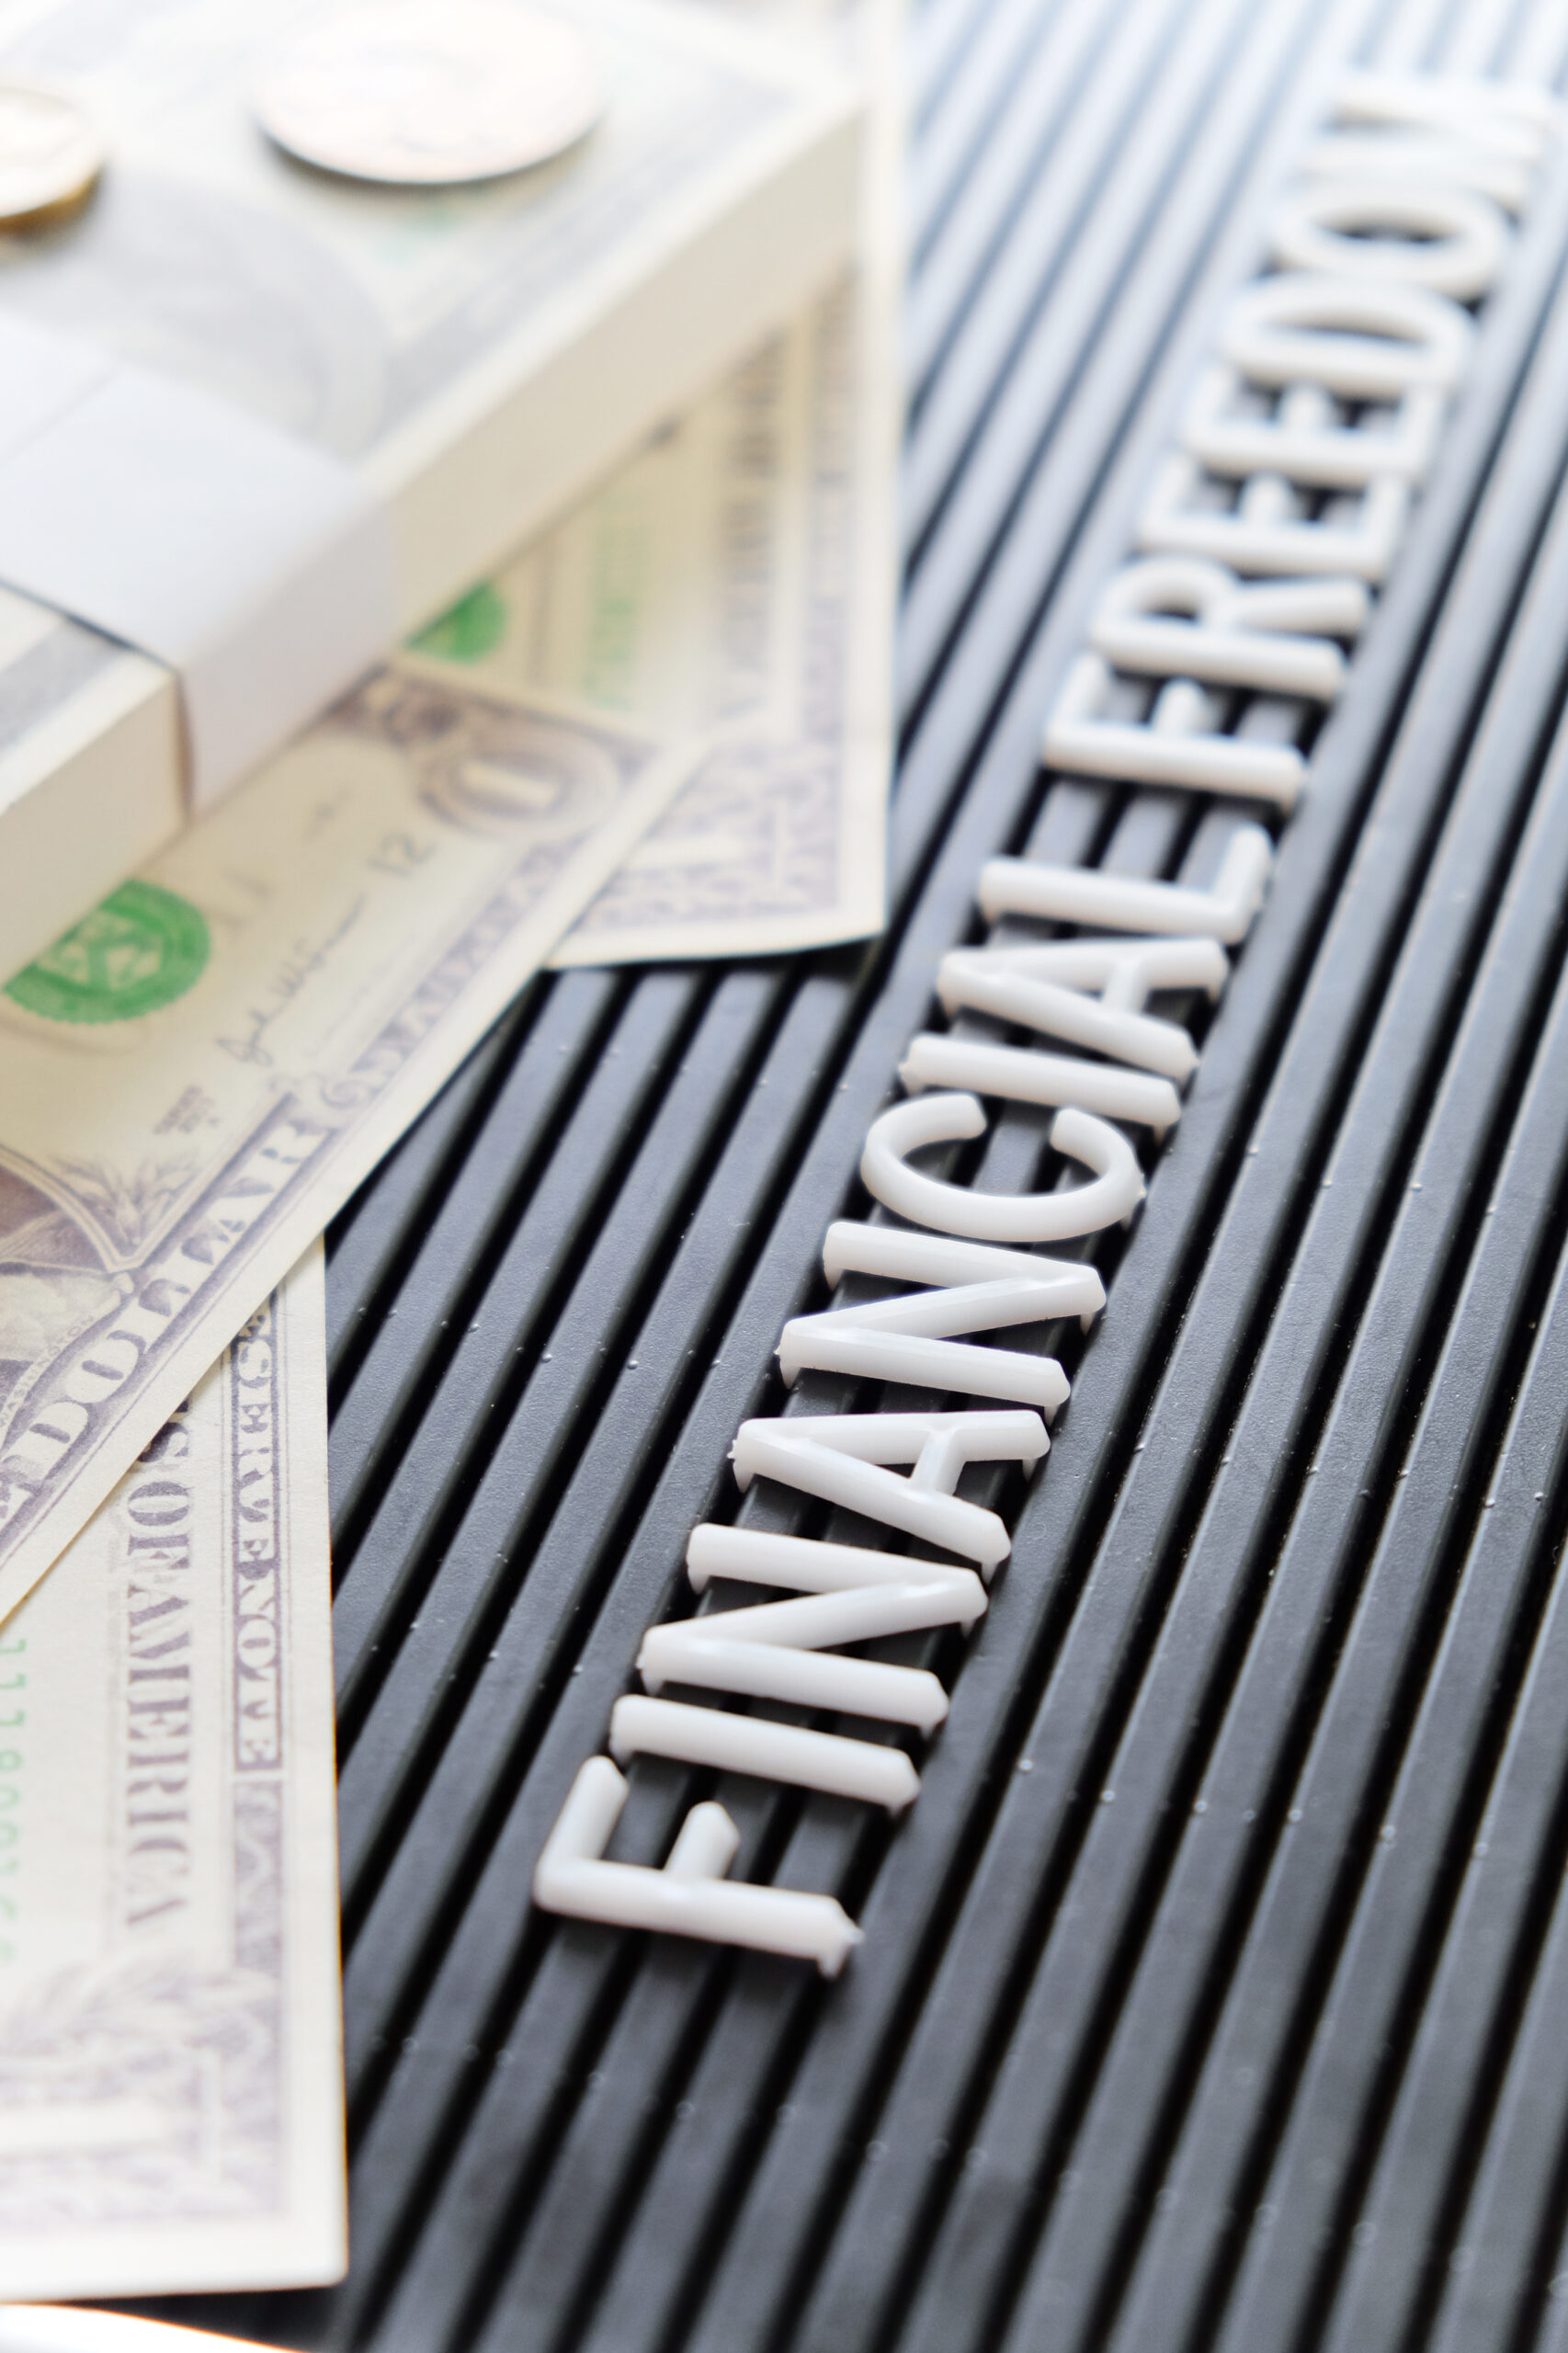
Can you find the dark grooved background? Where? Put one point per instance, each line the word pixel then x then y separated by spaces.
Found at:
pixel 1213 1992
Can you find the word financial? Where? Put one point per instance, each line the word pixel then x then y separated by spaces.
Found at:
pixel 1264 534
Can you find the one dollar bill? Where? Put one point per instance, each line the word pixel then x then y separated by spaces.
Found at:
pixel 734 583
pixel 171 2106
pixel 195 1078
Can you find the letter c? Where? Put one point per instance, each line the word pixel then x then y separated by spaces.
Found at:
pixel 1115 1193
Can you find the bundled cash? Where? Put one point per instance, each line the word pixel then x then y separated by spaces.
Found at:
pixel 477 356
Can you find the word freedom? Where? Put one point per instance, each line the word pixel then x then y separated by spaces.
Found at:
pixel 1334 373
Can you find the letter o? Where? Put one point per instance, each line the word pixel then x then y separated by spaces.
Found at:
pixel 256 1645
pixel 104 1366
pixel 1369 341
pixel 1454 243
pixel 158 1502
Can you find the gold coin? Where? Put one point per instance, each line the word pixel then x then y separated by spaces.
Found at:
pixel 50 156
pixel 425 92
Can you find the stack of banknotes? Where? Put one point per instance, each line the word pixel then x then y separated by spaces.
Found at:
pixel 471 357
pixel 660 728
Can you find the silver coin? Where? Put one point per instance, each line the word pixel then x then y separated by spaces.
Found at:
pixel 50 156
pixel 427 91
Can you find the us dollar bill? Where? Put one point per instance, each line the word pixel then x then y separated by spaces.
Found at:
pixel 195 1077
pixel 736 581
pixel 171 2106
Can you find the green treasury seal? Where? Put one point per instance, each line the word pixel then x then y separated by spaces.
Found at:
pixel 472 628
pixel 139 949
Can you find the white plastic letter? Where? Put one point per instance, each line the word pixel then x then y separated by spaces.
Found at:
pixel 1022 886
pixel 1440 131
pixel 1303 446
pixel 1109 1199
pixel 913 1341
pixel 757 1556
pixel 1054 1081
pixel 840 1458
pixel 1091 992
pixel 691 1897
pixel 1450 240
pixel 774 1651
pixel 811 1760
pixel 1365 341
pixel 852 1248
pixel 1263 535
pixel 1177 746
pixel 916 1340
pixel 1267 638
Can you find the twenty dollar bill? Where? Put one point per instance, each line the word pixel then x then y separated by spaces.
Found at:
pixel 171 2108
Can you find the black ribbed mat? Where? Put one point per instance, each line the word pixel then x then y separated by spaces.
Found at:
pixel 1215 1993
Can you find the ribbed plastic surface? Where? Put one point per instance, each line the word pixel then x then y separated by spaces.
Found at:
pixel 1213 1993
